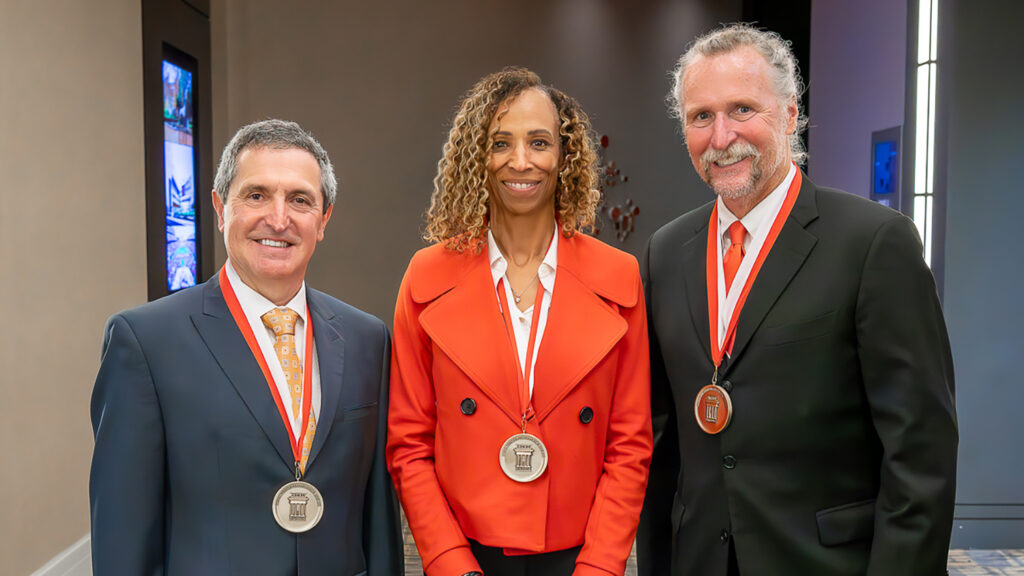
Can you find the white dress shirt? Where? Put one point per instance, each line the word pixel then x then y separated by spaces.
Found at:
pixel 758 222
pixel 255 305
pixel 522 319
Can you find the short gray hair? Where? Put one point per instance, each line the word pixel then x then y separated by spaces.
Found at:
pixel 776 51
pixel 278 135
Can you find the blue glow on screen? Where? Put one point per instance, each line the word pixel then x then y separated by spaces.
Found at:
pixel 179 178
pixel 885 154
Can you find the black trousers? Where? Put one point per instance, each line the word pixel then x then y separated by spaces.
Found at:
pixel 494 562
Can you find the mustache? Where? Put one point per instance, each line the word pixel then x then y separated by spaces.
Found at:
pixel 734 153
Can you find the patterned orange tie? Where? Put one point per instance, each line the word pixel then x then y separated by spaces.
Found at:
pixel 282 322
pixel 734 254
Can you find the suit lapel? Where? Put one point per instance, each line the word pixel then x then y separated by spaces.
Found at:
pixel 784 260
pixel 694 265
pixel 330 353
pixel 220 333
pixel 466 323
pixel 567 352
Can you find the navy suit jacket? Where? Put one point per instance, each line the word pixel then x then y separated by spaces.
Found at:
pixel 840 459
pixel 190 447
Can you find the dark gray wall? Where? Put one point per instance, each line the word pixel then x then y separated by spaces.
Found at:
pixel 379 82
pixel 981 47
pixel 858 66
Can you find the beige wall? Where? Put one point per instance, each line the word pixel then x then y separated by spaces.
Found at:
pixel 377 83
pixel 72 250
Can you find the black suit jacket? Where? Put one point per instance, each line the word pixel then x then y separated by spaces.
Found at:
pixel 190 447
pixel 841 455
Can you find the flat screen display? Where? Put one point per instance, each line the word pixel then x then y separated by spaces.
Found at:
pixel 179 177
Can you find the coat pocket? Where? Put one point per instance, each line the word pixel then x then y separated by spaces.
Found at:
pixel 356 413
pixel 797 331
pixel 846 523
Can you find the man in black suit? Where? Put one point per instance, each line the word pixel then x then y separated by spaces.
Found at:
pixel 240 424
pixel 802 379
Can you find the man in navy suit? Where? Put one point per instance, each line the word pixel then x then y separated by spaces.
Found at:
pixel 240 424
pixel 802 382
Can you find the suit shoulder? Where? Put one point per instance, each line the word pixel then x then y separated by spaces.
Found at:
pixel 173 305
pixel 832 201
pixel 854 217
pixel 355 317
pixel 683 227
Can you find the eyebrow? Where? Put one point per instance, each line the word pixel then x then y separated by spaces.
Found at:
pixel 543 131
pixel 264 189
pixel 253 188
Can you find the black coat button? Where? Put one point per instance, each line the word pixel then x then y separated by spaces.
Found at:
pixel 729 462
pixel 468 406
pixel 586 415
pixel 724 537
pixel 727 386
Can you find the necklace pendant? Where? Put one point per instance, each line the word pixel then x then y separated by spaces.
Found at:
pixel 518 298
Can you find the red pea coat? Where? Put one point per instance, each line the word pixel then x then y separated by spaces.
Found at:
pixel 591 399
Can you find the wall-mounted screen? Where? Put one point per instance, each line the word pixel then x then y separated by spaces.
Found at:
pixel 885 167
pixel 179 178
pixel 179 175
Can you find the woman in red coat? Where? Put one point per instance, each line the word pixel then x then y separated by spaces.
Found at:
pixel 519 431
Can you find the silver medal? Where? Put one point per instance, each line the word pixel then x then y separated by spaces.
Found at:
pixel 523 457
pixel 298 506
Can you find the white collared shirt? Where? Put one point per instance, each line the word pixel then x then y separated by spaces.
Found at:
pixel 758 222
pixel 255 305
pixel 521 320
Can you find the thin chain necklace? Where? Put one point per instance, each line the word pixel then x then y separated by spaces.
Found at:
pixel 519 295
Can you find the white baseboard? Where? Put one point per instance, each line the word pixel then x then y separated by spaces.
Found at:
pixel 75 561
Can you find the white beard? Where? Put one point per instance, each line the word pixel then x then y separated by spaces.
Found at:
pixel 736 152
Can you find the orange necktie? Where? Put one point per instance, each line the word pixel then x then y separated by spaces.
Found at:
pixel 282 322
pixel 734 254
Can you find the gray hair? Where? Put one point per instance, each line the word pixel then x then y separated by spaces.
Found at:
pixel 776 51
pixel 278 135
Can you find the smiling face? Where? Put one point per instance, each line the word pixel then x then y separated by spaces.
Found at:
pixel 736 129
pixel 273 218
pixel 522 169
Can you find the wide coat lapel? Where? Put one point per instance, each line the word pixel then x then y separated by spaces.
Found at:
pixel 784 260
pixel 330 353
pixel 222 336
pixel 581 328
pixel 466 324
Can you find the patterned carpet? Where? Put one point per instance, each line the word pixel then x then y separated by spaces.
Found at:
pixel 961 562
pixel 986 562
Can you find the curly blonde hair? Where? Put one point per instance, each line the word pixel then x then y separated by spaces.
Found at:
pixel 458 214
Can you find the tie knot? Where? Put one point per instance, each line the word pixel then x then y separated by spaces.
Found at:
pixel 281 321
pixel 736 233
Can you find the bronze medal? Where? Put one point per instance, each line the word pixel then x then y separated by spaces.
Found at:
pixel 713 409
pixel 523 457
pixel 298 506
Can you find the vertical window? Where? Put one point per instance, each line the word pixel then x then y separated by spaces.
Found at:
pixel 924 164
